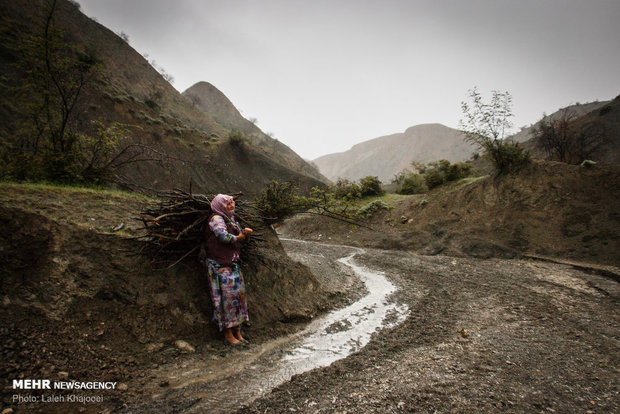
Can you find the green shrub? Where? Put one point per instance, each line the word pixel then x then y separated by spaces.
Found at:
pixel 458 170
pixel 440 172
pixel 345 189
pixel 370 186
pixel 412 184
pixel 434 178
pixel 277 201
pixel 485 126
pixel 507 156
pixel 92 158
pixel 371 208
pixel 236 139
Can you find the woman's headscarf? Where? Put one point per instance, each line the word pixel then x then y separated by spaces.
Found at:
pixel 218 205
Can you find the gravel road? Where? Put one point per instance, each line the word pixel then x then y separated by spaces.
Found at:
pixel 481 336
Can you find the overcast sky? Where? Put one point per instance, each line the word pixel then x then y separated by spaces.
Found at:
pixel 323 75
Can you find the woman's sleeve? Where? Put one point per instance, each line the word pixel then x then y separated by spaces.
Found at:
pixel 218 227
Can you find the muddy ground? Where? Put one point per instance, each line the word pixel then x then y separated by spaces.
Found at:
pixel 482 336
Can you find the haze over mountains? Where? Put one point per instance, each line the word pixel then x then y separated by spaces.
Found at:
pixel 386 156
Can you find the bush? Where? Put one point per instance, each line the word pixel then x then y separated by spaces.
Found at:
pixel 93 159
pixel 434 178
pixel 508 156
pixel 370 186
pixel 236 139
pixel 458 170
pixel 277 201
pixel 412 184
pixel 485 126
pixel 346 189
pixel 371 208
pixel 440 172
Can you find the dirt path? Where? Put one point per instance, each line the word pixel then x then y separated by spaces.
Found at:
pixel 482 335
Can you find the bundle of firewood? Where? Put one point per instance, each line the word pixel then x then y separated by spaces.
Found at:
pixel 175 228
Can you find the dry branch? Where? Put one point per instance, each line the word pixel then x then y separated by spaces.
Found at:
pixel 176 229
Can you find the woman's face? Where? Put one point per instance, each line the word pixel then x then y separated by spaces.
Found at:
pixel 230 206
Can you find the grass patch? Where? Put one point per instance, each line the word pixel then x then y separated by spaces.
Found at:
pixel 390 199
pixel 68 190
pixel 457 185
pixel 96 209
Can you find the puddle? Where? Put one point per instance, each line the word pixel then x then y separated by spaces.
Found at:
pixel 325 340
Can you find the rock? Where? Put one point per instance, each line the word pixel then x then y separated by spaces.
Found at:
pixel 122 387
pixel 7 411
pixel 184 346
pixel 119 227
pixel 403 219
pixel 63 375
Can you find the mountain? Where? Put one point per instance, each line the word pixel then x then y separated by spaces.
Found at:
pixel 211 101
pixel 386 156
pixel 191 142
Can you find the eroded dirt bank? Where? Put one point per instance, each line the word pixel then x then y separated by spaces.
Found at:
pixel 483 336
pixel 81 303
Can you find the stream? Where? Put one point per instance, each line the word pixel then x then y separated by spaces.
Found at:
pixel 250 374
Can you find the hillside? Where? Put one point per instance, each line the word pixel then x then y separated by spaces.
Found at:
pixel 549 209
pixel 386 156
pixel 597 118
pixel 578 110
pixel 191 143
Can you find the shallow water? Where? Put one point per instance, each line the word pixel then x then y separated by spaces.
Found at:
pixel 344 331
pixel 325 340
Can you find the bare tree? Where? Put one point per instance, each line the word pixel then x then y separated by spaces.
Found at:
pixel 563 138
pixel 553 135
pixel 589 140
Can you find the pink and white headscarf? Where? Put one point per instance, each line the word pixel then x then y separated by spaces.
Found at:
pixel 218 205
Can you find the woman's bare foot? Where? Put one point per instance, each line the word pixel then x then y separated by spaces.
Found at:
pixel 238 335
pixel 228 335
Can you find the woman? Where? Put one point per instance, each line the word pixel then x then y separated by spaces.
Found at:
pixel 224 236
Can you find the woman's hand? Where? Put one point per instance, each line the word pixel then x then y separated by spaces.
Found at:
pixel 246 232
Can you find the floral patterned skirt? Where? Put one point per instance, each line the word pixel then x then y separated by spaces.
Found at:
pixel 228 294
